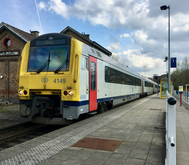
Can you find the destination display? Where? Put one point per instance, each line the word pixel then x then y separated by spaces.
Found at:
pixel 50 42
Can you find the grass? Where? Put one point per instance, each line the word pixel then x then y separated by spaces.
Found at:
pixel 4 110
pixel 9 105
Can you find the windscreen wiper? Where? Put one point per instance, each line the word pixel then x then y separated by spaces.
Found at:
pixel 61 66
pixel 44 65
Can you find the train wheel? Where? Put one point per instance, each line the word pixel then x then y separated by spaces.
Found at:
pixel 102 108
pixel 109 104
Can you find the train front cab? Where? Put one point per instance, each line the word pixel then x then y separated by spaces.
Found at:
pixel 49 86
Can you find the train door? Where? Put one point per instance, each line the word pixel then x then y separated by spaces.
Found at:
pixel 92 83
pixel 142 88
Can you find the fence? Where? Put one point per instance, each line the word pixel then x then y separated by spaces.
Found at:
pixel 170 136
pixel 185 96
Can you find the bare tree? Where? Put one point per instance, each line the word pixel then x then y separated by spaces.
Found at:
pixel 181 73
pixel 185 70
pixel 118 59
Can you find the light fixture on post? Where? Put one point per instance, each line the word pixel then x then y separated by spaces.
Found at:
pixel 164 7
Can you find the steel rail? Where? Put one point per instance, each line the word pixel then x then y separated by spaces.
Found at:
pixel 21 133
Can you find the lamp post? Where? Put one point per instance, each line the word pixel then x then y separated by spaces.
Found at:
pixel 169 59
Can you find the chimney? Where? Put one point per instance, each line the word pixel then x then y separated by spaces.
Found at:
pixel 34 33
pixel 86 35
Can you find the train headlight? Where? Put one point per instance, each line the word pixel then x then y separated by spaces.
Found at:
pixel 71 93
pixel 20 92
pixel 68 93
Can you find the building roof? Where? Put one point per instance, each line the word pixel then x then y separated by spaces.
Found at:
pixel 165 78
pixel 68 28
pixel 83 36
pixel 19 33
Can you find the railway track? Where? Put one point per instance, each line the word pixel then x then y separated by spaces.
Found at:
pixel 15 135
pixel 19 133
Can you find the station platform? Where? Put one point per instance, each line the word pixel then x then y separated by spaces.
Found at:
pixel 132 134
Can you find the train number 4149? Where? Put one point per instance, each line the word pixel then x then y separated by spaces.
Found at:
pixel 57 80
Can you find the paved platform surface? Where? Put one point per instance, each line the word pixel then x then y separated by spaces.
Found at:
pixel 182 134
pixel 139 126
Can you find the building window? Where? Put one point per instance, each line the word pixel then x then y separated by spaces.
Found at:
pixel 7 42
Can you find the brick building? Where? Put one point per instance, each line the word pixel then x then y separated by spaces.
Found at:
pixel 12 41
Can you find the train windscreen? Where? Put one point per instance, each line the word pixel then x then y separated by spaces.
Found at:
pixel 52 58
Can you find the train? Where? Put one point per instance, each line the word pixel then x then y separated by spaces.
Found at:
pixel 61 78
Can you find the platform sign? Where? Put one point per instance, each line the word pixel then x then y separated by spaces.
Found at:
pixel 180 91
pixel 173 62
pixel 180 88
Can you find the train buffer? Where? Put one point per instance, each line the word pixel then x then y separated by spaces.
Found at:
pixel 133 133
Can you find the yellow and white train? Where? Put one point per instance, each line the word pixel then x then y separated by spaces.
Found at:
pixel 61 78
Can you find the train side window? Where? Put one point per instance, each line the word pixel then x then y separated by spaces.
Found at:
pixel 85 62
pixel 112 76
pixel 128 80
pixel 107 74
pixel 115 76
pixel 93 76
pixel 124 78
pixel 138 82
pixel 147 84
pixel 132 80
pixel 118 77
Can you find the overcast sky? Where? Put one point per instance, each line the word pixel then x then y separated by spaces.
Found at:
pixel 134 30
